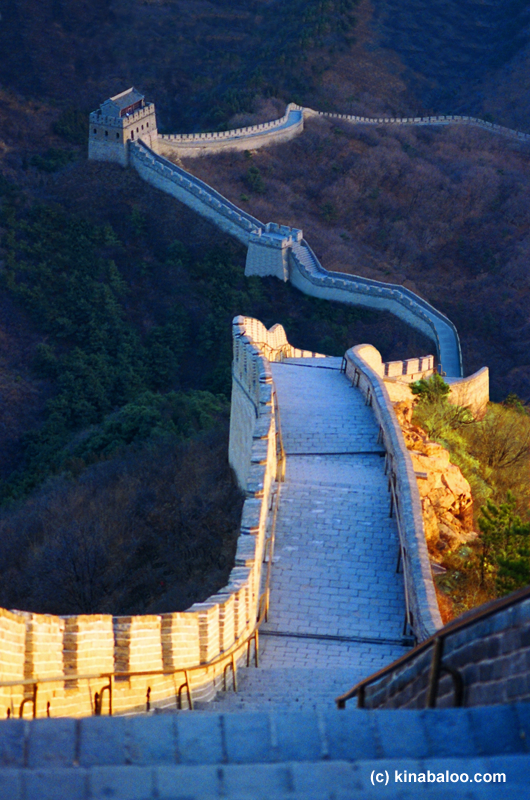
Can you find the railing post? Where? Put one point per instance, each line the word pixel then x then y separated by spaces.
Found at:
pixel 434 673
pixel 361 697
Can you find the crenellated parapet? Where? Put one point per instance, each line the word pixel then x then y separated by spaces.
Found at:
pixel 190 145
pixel 436 119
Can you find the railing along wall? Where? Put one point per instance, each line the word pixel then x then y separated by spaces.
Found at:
pixel 365 369
pixel 92 664
pixel 480 658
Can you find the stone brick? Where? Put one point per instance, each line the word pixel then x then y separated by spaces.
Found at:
pixel 55 784
pixel 51 742
pixel 151 740
pixel 449 732
pixel 247 740
pixel 12 738
pixel 200 739
pixel 102 741
pixel 401 733
pixel 121 783
pixel 187 782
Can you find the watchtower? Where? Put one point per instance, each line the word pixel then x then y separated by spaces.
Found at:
pixel 123 118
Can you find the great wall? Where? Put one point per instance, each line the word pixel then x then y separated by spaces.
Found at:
pixel 309 435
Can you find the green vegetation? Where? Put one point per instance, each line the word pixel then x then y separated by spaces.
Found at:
pixel 72 125
pixel 122 499
pixel 505 556
pixel 254 180
pixel 52 160
pixel 493 454
pixel 119 375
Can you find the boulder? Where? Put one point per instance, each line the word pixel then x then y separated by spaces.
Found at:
pixel 446 500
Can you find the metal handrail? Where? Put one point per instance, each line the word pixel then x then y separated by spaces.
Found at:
pixel 229 656
pixel 408 627
pixel 436 642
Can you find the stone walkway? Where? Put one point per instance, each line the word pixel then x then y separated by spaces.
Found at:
pixel 337 605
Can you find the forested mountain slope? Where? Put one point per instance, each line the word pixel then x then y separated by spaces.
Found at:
pixel 116 302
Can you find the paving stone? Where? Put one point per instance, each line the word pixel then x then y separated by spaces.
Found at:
pixel 10 783
pixel 247 740
pixel 51 742
pixel 200 739
pixel 259 781
pixel 54 784
pixel 12 736
pixel 503 720
pixel 121 783
pixel 187 782
pixel 101 743
pixel 152 740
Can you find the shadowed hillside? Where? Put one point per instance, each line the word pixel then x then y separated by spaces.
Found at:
pixel 205 61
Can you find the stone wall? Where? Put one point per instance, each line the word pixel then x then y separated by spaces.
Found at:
pixel 282 252
pixel 471 392
pixel 307 274
pixel 410 369
pixel 365 369
pixel 266 133
pixel 492 656
pixel 191 191
pixel 95 648
pixel 440 119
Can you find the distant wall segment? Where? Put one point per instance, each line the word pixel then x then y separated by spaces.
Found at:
pixel 273 249
pixel 282 252
pixel 439 119
pixel 190 145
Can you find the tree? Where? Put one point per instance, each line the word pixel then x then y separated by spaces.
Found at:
pixel 430 390
pixel 505 557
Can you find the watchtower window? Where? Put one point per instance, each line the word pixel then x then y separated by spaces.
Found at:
pixel 106 133
pixel 117 136
pixel 95 130
pixel 132 134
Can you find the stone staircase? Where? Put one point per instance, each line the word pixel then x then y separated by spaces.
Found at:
pixel 282 689
pixel 282 755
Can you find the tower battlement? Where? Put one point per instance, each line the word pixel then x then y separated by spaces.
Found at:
pixel 125 117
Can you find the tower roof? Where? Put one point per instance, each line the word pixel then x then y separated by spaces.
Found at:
pixel 120 104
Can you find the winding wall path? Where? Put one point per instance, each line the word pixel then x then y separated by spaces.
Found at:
pixel 282 251
pixel 337 604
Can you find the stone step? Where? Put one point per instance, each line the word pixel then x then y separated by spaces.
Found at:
pixel 324 780
pixel 294 688
pixel 190 738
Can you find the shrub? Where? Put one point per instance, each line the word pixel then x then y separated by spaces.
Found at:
pixel 254 180
pixel 72 125
pixel 52 160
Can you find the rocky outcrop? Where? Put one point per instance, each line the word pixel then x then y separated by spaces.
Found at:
pixel 445 494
